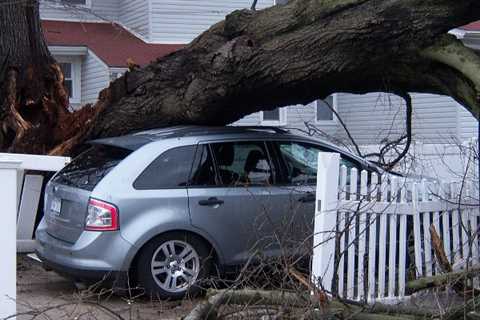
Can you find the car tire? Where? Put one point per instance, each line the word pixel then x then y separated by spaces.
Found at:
pixel 174 265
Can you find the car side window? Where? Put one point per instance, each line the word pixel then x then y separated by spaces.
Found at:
pixel 242 163
pixel 203 171
pixel 169 171
pixel 300 160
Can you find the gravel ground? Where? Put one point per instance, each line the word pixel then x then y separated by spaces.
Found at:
pixel 39 290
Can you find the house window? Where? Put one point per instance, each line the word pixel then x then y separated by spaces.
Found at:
pixel 68 79
pixel 71 68
pixel 85 3
pixel 323 109
pixel 116 73
pixel 274 117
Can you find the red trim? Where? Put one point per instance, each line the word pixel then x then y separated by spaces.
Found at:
pixel 113 211
pixel 474 26
pixel 109 41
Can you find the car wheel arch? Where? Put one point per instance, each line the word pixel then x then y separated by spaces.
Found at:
pixel 217 257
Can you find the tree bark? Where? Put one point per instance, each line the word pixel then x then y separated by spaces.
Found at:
pixel 309 305
pixel 34 115
pixel 290 54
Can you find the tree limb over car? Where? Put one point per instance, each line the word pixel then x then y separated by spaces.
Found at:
pixel 251 61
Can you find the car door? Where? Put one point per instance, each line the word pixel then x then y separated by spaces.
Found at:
pixel 298 163
pixel 296 185
pixel 230 198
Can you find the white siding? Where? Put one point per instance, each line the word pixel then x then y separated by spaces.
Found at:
pixel 435 118
pixel 468 127
pixel 250 120
pixel 372 117
pixel 95 77
pixel 297 115
pixel 180 21
pixel 134 15
pixel 100 10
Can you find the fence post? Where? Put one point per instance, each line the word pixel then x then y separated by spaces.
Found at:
pixel 8 267
pixel 325 219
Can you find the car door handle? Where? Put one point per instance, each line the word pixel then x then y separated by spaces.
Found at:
pixel 309 197
pixel 211 202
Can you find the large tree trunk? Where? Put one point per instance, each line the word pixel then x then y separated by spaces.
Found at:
pixel 291 54
pixel 34 114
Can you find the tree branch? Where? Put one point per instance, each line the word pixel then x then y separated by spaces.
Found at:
pixel 450 51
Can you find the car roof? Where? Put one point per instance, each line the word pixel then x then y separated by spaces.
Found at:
pixel 136 140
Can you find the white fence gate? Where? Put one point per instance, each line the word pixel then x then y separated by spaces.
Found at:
pixel 372 233
pixel 19 200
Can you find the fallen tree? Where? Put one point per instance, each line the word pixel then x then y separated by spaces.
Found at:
pixel 253 60
pixel 308 306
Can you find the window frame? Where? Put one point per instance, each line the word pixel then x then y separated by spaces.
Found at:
pixel 62 4
pixel 195 159
pixel 118 71
pixel 282 121
pixel 219 183
pixel 283 162
pixel 334 106
pixel 76 76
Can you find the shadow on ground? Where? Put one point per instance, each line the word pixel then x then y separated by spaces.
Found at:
pixel 44 292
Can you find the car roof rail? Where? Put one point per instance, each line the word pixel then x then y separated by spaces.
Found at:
pixel 267 128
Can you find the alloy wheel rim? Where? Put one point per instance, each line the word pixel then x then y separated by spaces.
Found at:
pixel 175 266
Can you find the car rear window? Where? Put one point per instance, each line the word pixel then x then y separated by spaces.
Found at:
pixel 89 168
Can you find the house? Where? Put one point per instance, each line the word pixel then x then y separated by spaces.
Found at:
pixel 93 39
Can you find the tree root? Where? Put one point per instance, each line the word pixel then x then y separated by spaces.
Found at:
pixel 14 119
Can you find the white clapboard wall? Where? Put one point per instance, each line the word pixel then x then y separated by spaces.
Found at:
pixel 375 235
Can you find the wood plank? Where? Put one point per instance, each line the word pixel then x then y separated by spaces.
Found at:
pixel 382 244
pixel 325 225
pixel 37 162
pixel 402 252
pixel 417 231
pixel 28 206
pixel 392 254
pixel 446 224
pixel 352 237
pixel 427 247
pixel 341 265
pixel 464 225
pixel 8 195
pixel 362 238
pixel 372 243
pixel 436 217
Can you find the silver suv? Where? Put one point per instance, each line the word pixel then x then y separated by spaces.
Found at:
pixel 163 207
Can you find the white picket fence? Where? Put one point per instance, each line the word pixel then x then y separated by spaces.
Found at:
pixel 363 236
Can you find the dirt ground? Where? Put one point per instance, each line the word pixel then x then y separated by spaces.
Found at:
pixel 45 295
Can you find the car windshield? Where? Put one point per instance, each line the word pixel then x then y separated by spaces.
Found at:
pixel 89 168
